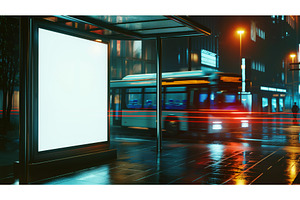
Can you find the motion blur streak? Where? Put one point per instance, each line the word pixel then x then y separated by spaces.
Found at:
pixel 213 117
pixel 212 111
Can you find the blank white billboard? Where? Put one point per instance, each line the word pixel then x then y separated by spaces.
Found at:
pixel 72 94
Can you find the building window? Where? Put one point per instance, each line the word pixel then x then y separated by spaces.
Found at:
pixel 258 66
pixel 265 104
pixel 274 105
pixel 280 104
pixel 118 47
pixel 137 49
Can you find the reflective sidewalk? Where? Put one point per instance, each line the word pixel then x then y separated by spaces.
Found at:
pixel 191 163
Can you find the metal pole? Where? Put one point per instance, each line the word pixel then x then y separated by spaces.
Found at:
pixel 293 84
pixel 286 66
pixel 158 93
pixel 241 49
pixel 189 55
pixel 25 59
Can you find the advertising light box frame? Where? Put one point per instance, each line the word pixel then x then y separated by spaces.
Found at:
pixel 44 154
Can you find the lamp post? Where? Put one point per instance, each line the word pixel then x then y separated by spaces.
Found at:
pixel 241 32
pixel 293 57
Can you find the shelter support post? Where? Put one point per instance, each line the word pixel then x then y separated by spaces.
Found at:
pixel 25 59
pixel 158 93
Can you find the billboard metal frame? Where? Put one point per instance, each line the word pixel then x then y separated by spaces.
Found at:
pixel 30 157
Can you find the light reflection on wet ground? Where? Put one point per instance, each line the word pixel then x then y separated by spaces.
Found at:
pixel 230 163
pixel 262 154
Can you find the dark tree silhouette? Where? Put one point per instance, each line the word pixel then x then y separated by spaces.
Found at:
pixel 9 63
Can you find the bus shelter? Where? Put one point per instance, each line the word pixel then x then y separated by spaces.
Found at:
pixel 54 137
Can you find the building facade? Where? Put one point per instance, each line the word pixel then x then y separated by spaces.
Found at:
pixel 266 46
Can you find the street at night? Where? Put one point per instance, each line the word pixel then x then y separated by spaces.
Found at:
pixel 151 100
pixel 266 153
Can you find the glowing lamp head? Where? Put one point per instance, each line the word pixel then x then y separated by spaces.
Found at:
pixel 240 32
pixel 293 55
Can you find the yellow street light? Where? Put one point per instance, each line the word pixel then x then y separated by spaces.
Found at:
pixel 293 57
pixel 240 32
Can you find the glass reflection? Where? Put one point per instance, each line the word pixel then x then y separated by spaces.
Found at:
pixel 216 151
pixel 292 167
pixel 240 180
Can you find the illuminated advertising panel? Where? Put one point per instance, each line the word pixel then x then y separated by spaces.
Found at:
pixel 208 58
pixel 72 91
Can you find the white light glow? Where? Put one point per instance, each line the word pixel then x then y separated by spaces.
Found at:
pixel 243 74
pixel 217 125
pixel 272 89
pixel 208 58
pixel 72 91
pixel 245 123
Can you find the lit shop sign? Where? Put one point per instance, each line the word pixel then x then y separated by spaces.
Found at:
pixel 230 79
pixel 208 58
pixel 185 82
pixel 272 89
pixel 72 92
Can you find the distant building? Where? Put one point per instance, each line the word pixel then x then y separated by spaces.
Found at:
pixel 267 44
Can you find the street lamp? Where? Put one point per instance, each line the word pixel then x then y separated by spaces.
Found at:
pixel 293 57
pixel 241 32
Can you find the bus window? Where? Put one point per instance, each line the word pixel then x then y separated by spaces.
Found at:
pixel 134 98
pixel 150 98
pixel 175 98
pixel 223 100
pixel 230 98
pixel 203 98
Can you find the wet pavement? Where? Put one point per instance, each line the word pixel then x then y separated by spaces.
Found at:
pixel 231 163
pixel 264 153
pixel 268 155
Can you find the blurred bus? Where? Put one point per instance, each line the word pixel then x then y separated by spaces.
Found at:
pixel 191 101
